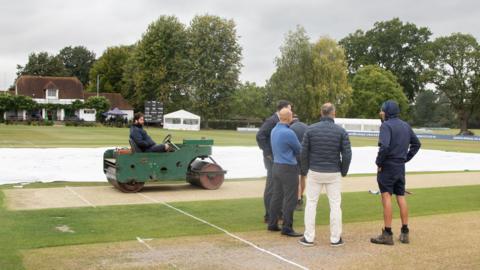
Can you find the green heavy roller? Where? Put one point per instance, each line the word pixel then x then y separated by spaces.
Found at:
pixel 129 169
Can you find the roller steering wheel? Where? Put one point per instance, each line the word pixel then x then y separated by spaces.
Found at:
pixel 168 140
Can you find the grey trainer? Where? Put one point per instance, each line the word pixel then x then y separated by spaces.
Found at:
pixel 383 239
pixel 404 238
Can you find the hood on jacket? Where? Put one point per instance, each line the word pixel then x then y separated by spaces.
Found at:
pixel 391 109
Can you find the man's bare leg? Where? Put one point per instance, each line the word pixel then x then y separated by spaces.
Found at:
pixel 387 209
pixel 386 237
pixel 402 204
pixel 301 190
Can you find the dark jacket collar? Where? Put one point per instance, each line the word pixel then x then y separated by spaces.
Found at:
pixel 328 119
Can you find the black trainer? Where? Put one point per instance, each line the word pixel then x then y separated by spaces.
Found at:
pixel 304 242
pixel 338 243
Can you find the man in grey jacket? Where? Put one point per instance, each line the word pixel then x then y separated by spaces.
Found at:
pixel 263 141
pixel 326 155
pixel 299 128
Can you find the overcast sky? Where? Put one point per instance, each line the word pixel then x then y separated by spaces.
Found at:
pixel 28 26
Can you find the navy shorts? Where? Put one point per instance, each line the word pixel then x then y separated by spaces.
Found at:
pixel 392 179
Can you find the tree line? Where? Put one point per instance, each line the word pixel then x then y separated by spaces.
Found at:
pixel 197 67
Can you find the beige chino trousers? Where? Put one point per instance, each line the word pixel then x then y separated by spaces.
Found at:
pixel 316 181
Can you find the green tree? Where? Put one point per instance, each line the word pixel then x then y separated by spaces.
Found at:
pixel 100 104
pixel 215 65
pixel 310 75
pixel 293 74
pixel 128 88
pixel 71 108
pixel 43 64
pixel 158 68
pixel 431 109
pixel 6 104
pixel 426 104
pixel 110 67
pixel 396 46
pixel 23 103
pixel 372 85
pixel 250 101
pixel 78 61
pixel 454 68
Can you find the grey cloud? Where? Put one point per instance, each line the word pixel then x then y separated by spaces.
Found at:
pixel 31 26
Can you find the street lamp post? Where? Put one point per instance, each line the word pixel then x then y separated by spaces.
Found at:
pixel 98 83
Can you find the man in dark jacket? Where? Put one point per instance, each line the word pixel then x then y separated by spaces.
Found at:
pixel 326 155
pixel 263 141
pixel 141 138
pixel 285 148
pixel 398 145
pixel 299 128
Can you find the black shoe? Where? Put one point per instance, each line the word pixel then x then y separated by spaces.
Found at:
pixel 292 233
pixel 337 244
pixel 274 228
pixel 304 242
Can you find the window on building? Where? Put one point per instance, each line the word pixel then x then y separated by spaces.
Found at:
pixel 51 93
pixel 88 111
pixel 173 120
pixel 190 121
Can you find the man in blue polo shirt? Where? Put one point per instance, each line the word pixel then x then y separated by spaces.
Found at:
pixel 285 148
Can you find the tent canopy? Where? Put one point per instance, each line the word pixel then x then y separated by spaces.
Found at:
pixel 181 120
pixel 182 114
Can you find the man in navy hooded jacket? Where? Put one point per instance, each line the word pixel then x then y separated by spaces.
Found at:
pixel 398 145
pixel 141 138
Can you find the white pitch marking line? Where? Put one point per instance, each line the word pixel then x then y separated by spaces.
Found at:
pixel 174 265
pixel 227 233
pixel 142 241
pixel 79 196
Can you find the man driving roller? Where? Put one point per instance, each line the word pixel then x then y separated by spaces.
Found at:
pixel 141 138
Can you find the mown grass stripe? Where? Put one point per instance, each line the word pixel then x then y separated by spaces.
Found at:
pixel 31 229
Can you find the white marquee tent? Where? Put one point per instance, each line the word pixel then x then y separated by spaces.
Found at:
pixel 181 120
pixel 353 124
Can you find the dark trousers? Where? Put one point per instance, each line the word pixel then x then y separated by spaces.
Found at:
pixel 285 192
pixel 267 194
pixel 156 148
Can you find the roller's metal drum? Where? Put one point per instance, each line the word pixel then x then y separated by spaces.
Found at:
pixel 206 174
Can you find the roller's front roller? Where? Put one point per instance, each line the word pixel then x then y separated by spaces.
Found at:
pixel 130 187
pixel 205 174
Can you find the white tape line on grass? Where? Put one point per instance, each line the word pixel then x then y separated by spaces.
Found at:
pixel 79 196
pixel 142 241
pixel 226 232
